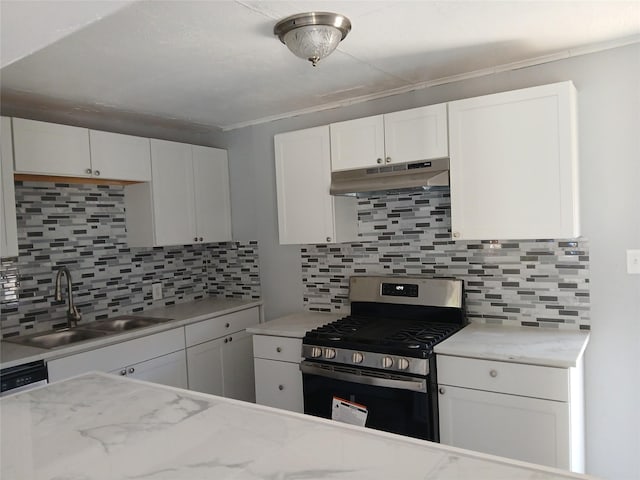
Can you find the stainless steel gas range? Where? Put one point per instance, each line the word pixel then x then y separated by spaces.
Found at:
pixel 379 360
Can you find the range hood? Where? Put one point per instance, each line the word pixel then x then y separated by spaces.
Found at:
pixel 420 175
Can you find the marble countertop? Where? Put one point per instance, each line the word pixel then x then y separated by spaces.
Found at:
pixel 537 346
pixel 12 354
pixel 99 427
pixel 295 325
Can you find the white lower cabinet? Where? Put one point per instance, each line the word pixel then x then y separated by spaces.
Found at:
pixel 526 412
pixel 220 355
pixel 277 372
pixel 159 358
pixel 168 369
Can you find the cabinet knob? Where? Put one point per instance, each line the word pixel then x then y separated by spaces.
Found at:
pixel 230 338
pixel 96 173
pixel 280 387
pixel 456 234
pixel 441 390
pixel 279 349
pixel 328 239
pixel 123 371
pixel 88 170
pixel 493 373
pixel 387 160
pixel 226 340
pixel 195 239
pixel 227 325
pixel 379 160
pixel 131 370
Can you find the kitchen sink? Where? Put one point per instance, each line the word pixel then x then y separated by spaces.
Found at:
pixel 125 322
pixel 96 329
pixel 57 338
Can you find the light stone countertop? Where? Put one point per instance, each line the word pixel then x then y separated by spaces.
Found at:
pixel 536 346
pixel 103 427
pixel 295 325
pixel 12 354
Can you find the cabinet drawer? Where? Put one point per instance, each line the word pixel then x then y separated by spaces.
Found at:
pixel 502 377
pixel 220 326
pixel 277 348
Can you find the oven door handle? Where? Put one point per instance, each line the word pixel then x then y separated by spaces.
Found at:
pixel 413 384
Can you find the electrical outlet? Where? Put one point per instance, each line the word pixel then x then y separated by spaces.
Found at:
pixel 633 262
pixel 156 291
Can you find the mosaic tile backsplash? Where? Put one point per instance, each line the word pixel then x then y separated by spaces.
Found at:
pixel 517 282
pixel 82 227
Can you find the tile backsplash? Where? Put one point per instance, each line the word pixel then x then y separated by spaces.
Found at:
pixel 82 227
pixel 521 282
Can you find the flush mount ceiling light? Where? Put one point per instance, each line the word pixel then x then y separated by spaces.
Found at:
pixel 312 35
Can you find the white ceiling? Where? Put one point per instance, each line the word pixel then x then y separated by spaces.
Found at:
pixel 216 63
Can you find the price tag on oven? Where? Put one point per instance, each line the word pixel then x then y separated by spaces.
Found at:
pixel 349 412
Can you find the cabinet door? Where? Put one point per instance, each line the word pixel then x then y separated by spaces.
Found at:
pixel 169 370
pixel 120 157
pixel 212 199
pixel 416 134
pixel 279 384
pixel 51 149
pixel 307 213
pixel 357 143
pixel 514 165
pixel 237 367
pixel 8 227
pixel 172 191
pixel 512 426
pixel 204 367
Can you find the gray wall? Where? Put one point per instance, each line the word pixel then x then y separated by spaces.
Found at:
pixel 609 101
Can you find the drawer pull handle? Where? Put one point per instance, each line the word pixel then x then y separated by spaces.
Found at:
pixel 280 387
pixel 493 373
pixel 279 349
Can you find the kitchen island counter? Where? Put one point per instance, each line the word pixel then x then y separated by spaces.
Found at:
pixel 99 426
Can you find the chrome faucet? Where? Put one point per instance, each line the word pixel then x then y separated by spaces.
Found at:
pixel 73 315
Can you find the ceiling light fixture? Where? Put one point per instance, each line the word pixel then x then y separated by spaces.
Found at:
pixel 312 35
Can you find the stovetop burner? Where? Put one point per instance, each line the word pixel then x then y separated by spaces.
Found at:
pixel 413 338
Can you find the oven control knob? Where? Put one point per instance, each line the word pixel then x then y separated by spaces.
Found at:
pixel 387 362
pixel 403 364
pixel 357 357
pixel 329 353
pixel 316 352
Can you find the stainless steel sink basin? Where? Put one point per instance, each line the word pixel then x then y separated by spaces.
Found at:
pixel 57 338
pixel 125 322
pixel 97 329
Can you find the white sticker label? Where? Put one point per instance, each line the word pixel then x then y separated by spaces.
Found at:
pixel 349 412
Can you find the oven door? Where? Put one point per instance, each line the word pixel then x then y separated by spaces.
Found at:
pixel 395 403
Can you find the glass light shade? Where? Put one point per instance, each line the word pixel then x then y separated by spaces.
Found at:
pixel 313 42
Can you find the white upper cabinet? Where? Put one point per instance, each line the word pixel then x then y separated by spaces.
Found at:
pixel 118 156
pixel 8 228
pixel 416 134
pixel 187 200
pixel 307 213
pixel 398 137
pixel 357 143
pixel 43 148
pixel 50 149
pixel 514 166
pixel 211 194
